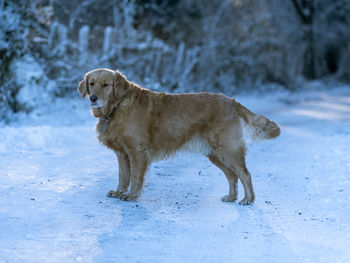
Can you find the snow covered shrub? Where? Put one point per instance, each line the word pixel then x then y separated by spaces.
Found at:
pixel 23 81
pixel 12 44
pixel 34 87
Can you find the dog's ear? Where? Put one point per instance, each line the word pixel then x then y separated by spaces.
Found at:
pixel 120 85
pixel 83 87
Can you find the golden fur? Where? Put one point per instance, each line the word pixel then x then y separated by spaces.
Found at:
pixel 141 126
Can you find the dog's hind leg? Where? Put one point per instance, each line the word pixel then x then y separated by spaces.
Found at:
pixel 138 165
pixel 228 146
pixel 124 175
pixel 235 160
pixel 231 178
pixel 239 167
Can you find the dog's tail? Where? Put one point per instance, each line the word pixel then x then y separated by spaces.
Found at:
pixel 258 127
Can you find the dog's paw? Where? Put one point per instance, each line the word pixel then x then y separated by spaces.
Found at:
pixel 128 197
pixel 246 201
pixel 114 194
pixel 228 198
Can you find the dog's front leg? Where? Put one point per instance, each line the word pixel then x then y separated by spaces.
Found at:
pixel 124 175
pixel 138 165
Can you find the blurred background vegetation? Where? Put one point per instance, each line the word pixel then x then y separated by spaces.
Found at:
pixel 226 46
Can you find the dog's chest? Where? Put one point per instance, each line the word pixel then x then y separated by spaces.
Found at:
pixel 107 138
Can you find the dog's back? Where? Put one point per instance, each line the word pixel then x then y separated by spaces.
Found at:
pixel 170 122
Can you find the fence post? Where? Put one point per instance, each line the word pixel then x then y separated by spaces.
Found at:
pixel 179 59
pixel 62 39
pixel 83 44
pixel 107 42
pixel 157 63
pixel 52 35
pixel 57 40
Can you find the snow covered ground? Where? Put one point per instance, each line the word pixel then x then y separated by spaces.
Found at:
pixel 54 177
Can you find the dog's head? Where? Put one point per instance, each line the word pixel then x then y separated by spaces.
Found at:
pixel 102 87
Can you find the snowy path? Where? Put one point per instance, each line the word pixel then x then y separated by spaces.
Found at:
pixel 54 177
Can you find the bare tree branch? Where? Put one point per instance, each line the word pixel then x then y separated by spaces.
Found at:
pixel 305 9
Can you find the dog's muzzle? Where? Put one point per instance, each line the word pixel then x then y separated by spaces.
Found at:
pixel 96 105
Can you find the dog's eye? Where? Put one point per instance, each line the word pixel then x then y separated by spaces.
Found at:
pixel 105 85
pixel 91 83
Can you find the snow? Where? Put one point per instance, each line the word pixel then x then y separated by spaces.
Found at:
pixel 54 177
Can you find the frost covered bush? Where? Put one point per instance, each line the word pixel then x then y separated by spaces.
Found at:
pixel 12 44
pixel 248 44
pixel 23 79
pixel 35 87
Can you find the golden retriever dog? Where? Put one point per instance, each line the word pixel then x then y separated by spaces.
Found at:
pixel 142 126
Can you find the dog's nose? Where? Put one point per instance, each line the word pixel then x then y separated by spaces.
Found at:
pixel 93 98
